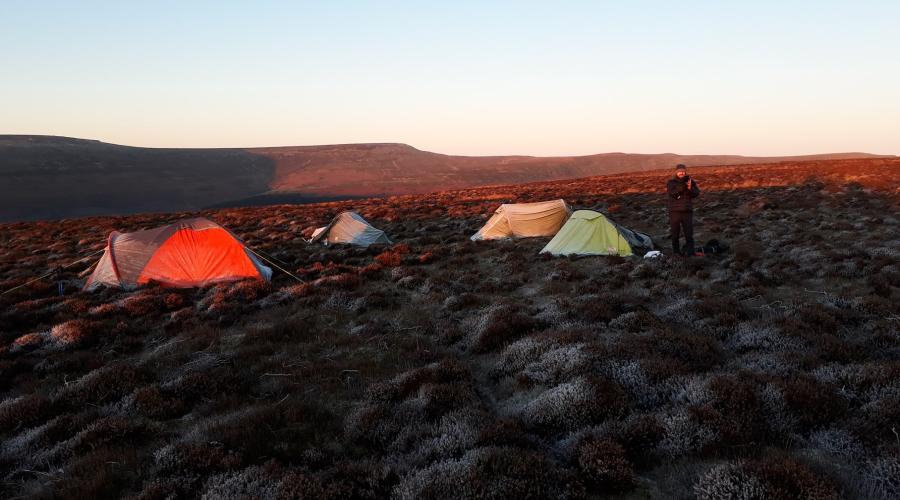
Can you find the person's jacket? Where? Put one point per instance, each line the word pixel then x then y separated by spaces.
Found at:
pixel 681 198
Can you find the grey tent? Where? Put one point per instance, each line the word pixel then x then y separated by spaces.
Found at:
pixel 350 228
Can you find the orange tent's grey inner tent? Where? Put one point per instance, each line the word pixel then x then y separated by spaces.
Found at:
pixel 188 253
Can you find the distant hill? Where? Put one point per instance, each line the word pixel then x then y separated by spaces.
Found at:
pixel 46 177
pixel 54 177
pixel 385 169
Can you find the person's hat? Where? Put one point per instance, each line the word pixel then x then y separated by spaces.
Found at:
pixel 680 166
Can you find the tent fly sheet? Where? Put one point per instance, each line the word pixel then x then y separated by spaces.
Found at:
pixel 592 233
pixel 523 220
pixel 350 228
pixel 188 253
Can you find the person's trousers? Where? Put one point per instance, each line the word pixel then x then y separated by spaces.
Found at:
pixel 682 222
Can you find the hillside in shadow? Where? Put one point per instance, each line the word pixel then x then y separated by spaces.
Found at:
pixel 44 177
pixel 54 177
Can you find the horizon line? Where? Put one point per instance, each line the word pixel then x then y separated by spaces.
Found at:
pixel 394 143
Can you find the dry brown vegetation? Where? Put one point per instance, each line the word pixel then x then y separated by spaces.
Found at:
pixel 441 367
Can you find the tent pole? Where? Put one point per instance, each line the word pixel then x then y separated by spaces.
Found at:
pixel 285 271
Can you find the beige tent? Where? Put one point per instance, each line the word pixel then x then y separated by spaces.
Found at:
pixel 592 233
pixel 350 228
pixel 522 220
pixel 187 253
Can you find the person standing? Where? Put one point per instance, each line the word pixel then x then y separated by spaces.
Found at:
pixel 681 191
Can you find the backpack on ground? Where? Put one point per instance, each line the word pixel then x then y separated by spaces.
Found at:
pixel 712 247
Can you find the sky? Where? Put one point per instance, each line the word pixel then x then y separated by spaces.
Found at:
pixel 476 78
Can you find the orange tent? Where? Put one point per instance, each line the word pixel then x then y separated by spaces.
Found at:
pixel 188 253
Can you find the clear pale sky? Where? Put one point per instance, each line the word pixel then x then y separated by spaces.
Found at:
pixel 520 77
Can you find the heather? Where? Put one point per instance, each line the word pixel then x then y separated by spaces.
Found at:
pixel 441 367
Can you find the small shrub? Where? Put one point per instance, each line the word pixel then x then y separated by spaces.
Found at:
pixel 728 481
pixel 517 355
pixel 299 485
pixel 370 270
pixel 76 332
pixel 198 458
pixel 501 432
pixel 248 290
pixel 501 326
pixel 881 477
pixel 389 259
pixel 558 364
pixel 734 412
pixel 252 482
pixel 151 402
pixel 440 399
pixel 106 309
pixel 141 304
pixel 403 385
pixel 108 430
pixel 400 248
pixel 181 316
pixel 173 301
pixel 344 281
pixel 813 404
pixel 372 328
pixel 809 320
pixel 30 442
pixel 98 472
pixel 168 487
pixel 596 309
pixel 787 479
pixel 77 306
pixel 631 376
pixel 691 351
pixel 23 412
pixel 573 405
pixel 604 466
pixel 492 472
pixel 684 435
pixel 636 322
pixel 639 437
pixel 838 442
pixel 462 301
pixel 27 342
pixel 102 385
pixel 360 479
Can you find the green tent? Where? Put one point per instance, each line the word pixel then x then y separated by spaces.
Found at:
pixel 592 233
